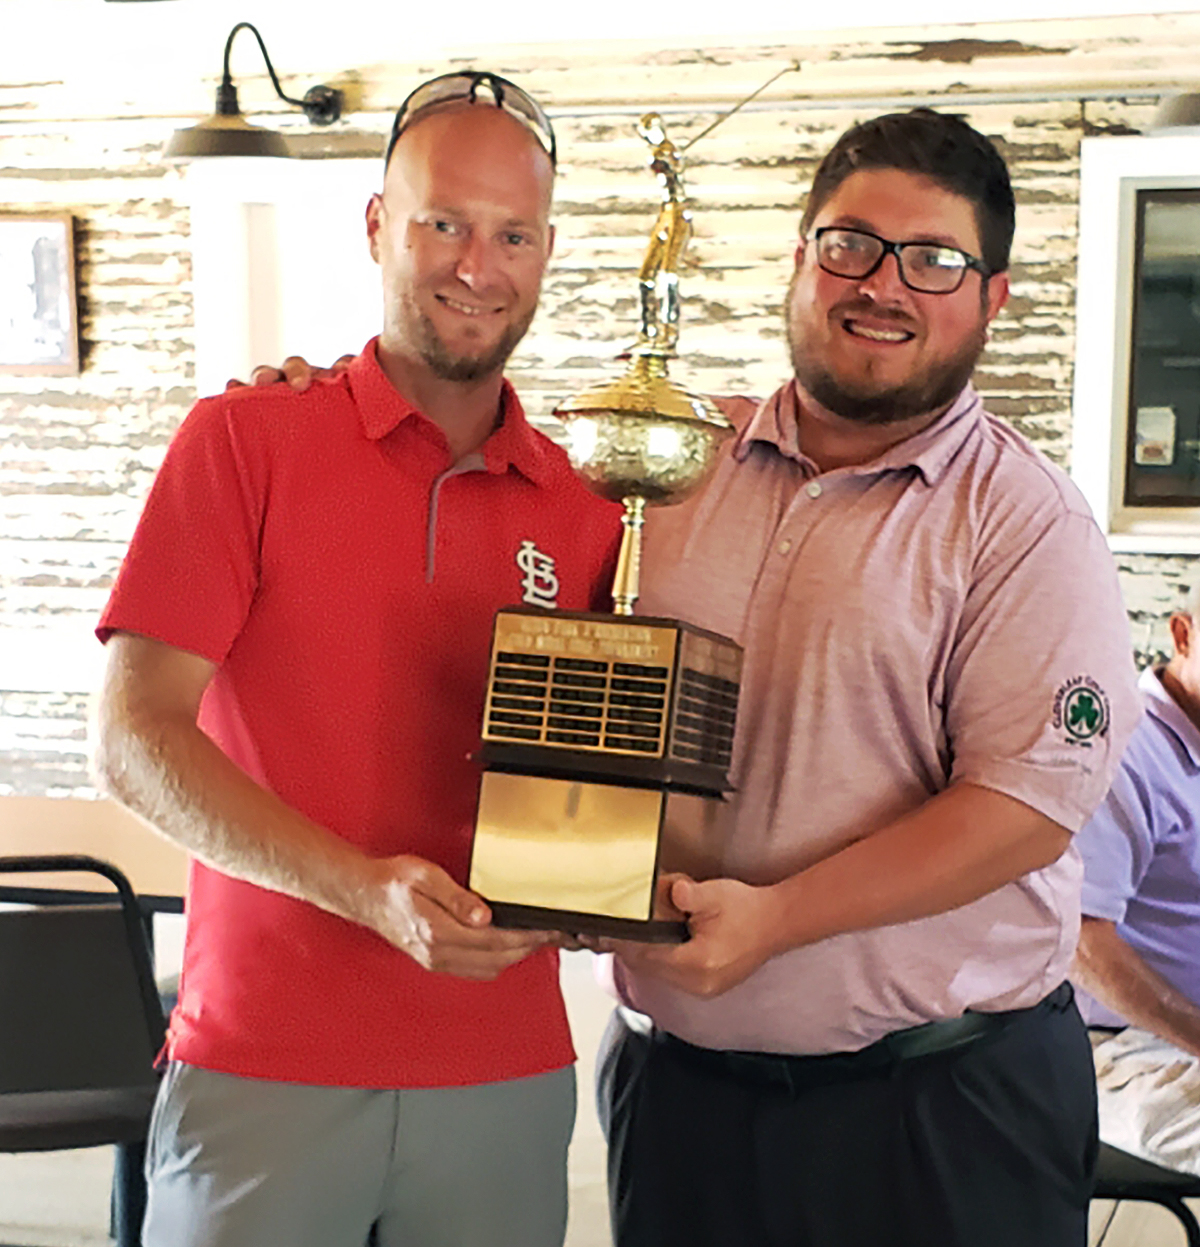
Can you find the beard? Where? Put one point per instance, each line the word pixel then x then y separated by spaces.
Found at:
pixel 868 401
pixel 448 365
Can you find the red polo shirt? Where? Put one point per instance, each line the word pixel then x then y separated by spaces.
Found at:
pixel 323 551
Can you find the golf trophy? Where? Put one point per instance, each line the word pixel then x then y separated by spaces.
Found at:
pixel 607 738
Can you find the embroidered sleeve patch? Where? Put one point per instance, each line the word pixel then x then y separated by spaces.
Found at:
pixel 1081 712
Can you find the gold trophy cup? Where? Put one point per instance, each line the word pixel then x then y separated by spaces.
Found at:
pixel 607 738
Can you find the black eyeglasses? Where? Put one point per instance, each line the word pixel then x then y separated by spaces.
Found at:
pixel 927 267
pixel 463 86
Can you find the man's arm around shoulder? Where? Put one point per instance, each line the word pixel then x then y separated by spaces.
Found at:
pixel 152 757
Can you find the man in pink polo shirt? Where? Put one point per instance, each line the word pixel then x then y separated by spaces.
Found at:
pixel 298 646
pixel 869 1038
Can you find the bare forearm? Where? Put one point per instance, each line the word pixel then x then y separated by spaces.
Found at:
pixel 170 774
pixel 153 758
pixel 1119 977
pixel 957 847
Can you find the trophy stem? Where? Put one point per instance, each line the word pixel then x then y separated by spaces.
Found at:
pixel 629 561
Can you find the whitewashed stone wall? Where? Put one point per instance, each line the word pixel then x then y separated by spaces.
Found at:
pixel 77 454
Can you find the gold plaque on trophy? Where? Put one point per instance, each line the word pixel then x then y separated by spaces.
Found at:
pixel 607 738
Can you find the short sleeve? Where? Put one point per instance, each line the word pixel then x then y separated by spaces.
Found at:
pixel 191 570
pixel 1041 689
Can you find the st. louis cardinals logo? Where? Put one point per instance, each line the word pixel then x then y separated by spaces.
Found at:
pixel 540 583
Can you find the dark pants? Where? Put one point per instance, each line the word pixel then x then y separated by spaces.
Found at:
pixel 990 1145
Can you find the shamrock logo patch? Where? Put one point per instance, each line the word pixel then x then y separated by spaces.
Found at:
pixel 1081 711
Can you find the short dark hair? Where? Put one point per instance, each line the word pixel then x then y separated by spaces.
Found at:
pixel 941 147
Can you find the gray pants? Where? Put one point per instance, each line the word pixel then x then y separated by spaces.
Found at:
pixel 241 1162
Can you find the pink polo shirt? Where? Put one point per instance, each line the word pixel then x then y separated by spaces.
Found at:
pixel 949 611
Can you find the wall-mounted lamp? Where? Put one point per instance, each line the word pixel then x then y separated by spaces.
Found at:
pixel 1178 112
pixel 228 133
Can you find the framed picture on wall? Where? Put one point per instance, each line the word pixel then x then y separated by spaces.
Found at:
pixel 39 330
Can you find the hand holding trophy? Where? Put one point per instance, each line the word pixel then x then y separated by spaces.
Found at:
pixel 596 725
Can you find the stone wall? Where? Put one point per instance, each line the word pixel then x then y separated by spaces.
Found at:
pixel 77 454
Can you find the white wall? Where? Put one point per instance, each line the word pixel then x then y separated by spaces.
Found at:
pixel 175 44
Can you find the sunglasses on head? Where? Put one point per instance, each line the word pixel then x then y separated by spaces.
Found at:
pixel 475 86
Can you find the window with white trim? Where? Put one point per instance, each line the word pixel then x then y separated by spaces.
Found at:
pixel 1136 410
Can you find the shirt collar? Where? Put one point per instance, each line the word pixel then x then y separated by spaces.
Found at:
pixel 382 409
pixel 929 451
pixel 1169 713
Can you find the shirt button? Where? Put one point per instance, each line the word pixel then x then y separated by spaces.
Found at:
pixel 813 489
pixel 785 545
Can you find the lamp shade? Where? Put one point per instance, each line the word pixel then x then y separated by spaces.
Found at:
pixel 228 133
pixel 225 135
pixel 1178 111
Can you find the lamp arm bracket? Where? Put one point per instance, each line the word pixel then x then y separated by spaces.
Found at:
pixel 322 105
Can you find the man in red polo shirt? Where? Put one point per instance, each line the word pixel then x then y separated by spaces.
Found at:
pixel 298 644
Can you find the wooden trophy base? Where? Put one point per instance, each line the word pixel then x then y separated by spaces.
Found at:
pixel 535 918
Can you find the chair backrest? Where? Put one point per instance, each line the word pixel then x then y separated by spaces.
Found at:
pixel 78 1007
pixel 1120 1175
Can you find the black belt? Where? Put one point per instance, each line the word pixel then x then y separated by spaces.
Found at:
pixel 798 1073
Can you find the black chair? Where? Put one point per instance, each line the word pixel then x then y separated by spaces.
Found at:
pixel 80 1024
pixel 1121 1176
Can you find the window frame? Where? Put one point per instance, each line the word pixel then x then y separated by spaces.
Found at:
pixel 1113 169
